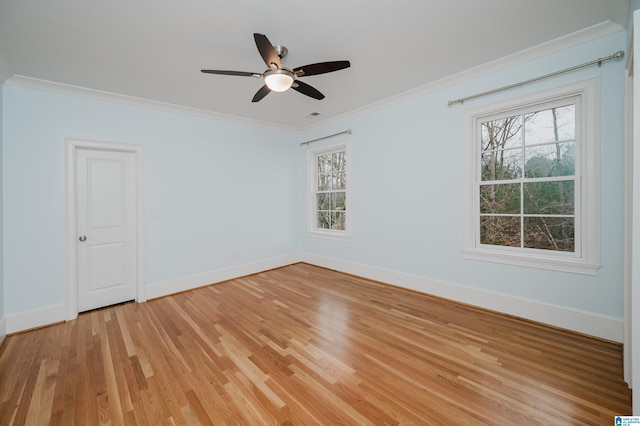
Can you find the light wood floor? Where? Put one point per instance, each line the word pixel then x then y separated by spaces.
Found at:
pixel 304 345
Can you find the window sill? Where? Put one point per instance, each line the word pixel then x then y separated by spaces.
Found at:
pixel 328 235
pixel 571 265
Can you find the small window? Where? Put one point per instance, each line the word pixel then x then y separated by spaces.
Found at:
pixel 533 177
pixel 328 191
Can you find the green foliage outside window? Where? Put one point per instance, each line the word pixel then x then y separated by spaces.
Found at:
pixel 527 188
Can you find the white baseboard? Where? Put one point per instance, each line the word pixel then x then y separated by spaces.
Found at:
pixel 57 313
pixel 190 282
pixel 3 329
pixel 35 318
pixel 558 316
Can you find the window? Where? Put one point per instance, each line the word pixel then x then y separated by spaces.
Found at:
pixel 328 191
pixel 532 170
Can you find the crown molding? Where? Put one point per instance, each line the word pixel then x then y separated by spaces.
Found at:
pixel 583 36
pixel 571 40
pixel 99 95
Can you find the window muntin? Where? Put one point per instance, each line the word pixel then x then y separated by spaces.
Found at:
pixel 527 178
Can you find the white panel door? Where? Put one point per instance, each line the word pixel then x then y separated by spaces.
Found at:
pixel 105 227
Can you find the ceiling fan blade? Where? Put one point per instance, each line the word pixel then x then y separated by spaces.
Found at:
pixel 306 89
pixel 264 91
pixel 267 51
pixel 238 73
pixel 321 68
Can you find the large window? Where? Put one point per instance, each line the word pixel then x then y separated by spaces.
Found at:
pixel 534 181
pixel 328 195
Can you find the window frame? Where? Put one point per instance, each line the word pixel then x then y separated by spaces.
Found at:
pixel 342 144
pixel 585 259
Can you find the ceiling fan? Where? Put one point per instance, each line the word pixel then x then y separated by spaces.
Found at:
pixel 278 78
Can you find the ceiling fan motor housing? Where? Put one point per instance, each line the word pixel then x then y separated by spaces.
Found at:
pixel 281 51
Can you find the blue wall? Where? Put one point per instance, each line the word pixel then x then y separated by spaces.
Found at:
pixel 222 188
pixel 406 175
pixel 224 192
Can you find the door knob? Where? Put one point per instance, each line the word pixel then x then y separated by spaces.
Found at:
pixel 82 239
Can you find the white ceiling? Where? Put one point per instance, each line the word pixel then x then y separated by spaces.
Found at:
pixel 154 49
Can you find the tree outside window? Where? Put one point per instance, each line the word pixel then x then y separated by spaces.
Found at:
pixel 328 199
pixel 527 183
pixel 331 195
pixel 531 166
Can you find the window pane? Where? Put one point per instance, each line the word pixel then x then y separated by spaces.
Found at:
pixel 339 161
pixel 338 201
pixel 324 182
pixel 549 233
pixel 555 197
pixel 338 221
pixel 324 172
pixel 339 180
pixel 500 198
pixel 551 125
pixel 324 164
pixel 323 201
pixel 501 164
pixel 500 230
pixel 323 220
pixel 503 133
pixel 550 160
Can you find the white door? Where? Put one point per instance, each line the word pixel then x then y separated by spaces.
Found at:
pixel 106 213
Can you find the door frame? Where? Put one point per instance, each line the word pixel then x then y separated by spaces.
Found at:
pixel 72 147
pixel 630 222
pixel 631 344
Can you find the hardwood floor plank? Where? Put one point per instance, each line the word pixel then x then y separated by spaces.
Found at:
pixel 25 393
pixel 302 345
pixel 197 410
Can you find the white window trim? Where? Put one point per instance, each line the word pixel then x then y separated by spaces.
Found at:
pixel 312 176
pixel 587 257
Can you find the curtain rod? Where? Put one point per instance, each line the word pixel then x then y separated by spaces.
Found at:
pixel 618 55
pixel 325 137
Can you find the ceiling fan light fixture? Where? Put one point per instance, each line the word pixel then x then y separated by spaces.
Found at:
pixel 278 80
